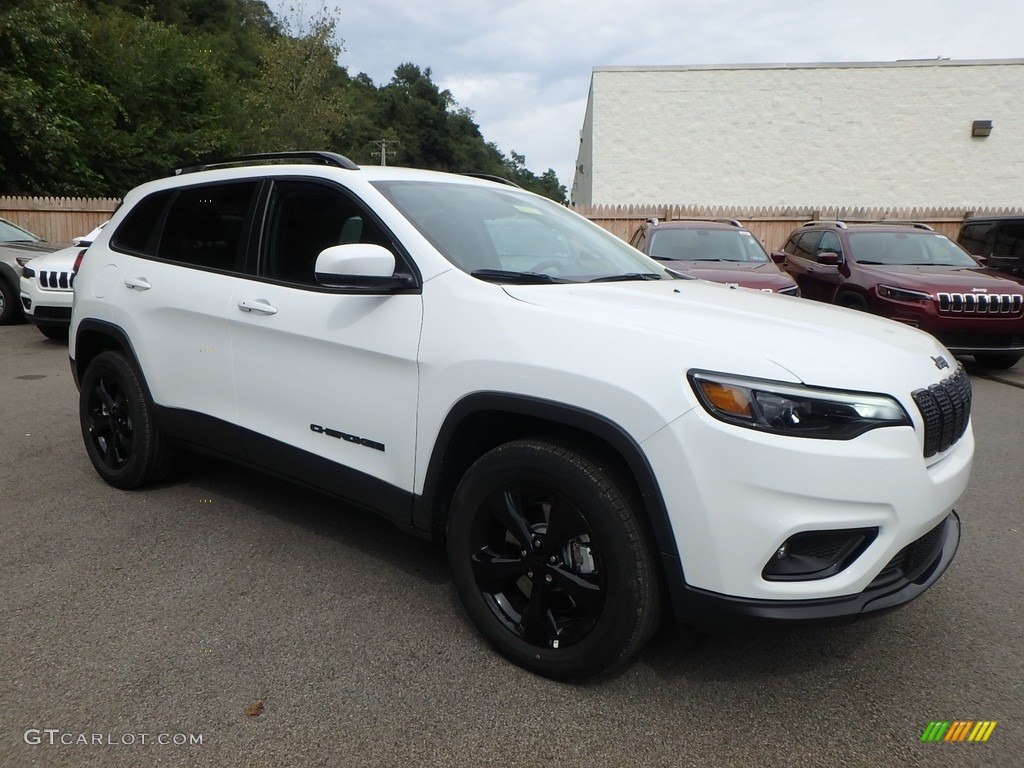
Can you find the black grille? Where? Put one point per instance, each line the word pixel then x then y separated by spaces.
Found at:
pixel 55 280
pixel 911 561
pixel 946 408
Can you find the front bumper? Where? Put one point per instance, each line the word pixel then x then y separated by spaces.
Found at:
pixel 906 577
pixel 735 497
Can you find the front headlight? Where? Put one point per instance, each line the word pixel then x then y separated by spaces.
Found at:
pixel 793 409
pixel 902 294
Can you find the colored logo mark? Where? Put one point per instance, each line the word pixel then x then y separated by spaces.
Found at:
pixel 958 730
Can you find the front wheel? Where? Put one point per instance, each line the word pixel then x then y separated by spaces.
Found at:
pixel 550 560
pixel 118 423
pixel 10 307
pixel 998 360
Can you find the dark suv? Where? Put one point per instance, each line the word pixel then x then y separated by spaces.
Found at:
pixel 910 273
pixel 997 240
pixel 719 250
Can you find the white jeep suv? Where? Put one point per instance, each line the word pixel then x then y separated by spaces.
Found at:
pixel 47 285
pixel 594 438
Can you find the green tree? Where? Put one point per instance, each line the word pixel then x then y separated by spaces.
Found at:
pixel 48 109
pixel 297 102
pixel 170 99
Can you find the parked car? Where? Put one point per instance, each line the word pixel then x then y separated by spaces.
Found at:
pixel 17 247
pixel 47 287
pixel 589 434
pixel 912 274
pixel 719 250
pixel 998 241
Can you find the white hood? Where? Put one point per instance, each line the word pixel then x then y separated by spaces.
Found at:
pixel 816 344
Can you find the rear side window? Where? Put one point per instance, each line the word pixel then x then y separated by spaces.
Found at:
pixel 204 225
pixel 140 231
pixel 976 238
pixel 804 245
pixel 201 226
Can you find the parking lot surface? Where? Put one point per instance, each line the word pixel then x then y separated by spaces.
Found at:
pixel 225 618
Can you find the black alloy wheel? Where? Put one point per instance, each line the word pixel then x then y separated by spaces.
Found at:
pixel 118 427
pixel 550 560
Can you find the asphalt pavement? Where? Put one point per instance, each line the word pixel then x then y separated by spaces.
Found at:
pixel 225 618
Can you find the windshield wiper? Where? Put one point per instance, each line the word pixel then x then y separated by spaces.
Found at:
pixel 627 276
pixel 519 278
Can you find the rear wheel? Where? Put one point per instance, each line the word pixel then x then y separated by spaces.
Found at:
pixel 550 560
pixel 1000 360
pixel 118 424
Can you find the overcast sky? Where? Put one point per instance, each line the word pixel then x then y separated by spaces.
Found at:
pixel 523 66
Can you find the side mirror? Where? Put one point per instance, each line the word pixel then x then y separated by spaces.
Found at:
pixel 778 256
pixel 829 258
pixel 359 265
pixel 983 260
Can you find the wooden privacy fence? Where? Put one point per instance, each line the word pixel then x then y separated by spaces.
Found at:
pixel 58 219
pixel 772 225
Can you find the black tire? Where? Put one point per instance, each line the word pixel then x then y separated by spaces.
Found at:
pixel 10 303
pixel 57 331
pixel 998 360
pixel 118 424
pixel 551 562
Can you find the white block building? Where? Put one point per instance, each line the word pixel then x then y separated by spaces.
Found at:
pixel 905 133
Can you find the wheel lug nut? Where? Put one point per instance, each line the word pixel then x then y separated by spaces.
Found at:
pixel 522 553
pixel 548 578
pixel 529 574
pixel 552 559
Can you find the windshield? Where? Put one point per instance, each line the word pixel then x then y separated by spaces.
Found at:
pixel 11 233
pixel 506 235
pixel 671 244
pixel 908 249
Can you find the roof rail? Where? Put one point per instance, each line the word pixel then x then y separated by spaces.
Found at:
pixel 732 222
pixel 316 158
pixel 905 223
pixel 492 177
pixel 827 222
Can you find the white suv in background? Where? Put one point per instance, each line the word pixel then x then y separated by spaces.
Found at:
pixel 47 284
pixel 594 438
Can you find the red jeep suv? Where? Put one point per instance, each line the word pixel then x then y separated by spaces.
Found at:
pixel 910 273
pixel 719 250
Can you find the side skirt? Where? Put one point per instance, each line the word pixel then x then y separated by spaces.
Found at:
pixel 204 434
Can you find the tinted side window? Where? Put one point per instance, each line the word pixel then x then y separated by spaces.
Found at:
pixel 830 242
pixel 805 245
pixel 140 230
pixel 204 226
pixel 976 238
pixel 1010 240
pixel 305 217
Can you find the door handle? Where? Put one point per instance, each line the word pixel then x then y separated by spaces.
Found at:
pixel 137 283
pixel 257 305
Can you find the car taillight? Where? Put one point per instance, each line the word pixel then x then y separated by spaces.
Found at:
pixel 76 265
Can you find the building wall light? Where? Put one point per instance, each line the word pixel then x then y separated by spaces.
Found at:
pixel 981 128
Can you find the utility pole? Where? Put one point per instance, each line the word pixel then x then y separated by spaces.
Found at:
pixel 383 153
